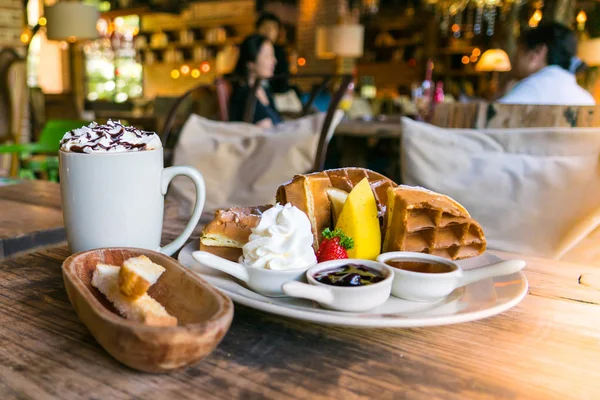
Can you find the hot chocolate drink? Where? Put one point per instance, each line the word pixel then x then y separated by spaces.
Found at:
pixel 112 137
pixel 119 170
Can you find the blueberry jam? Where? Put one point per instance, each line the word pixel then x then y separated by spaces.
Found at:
pixel 349 275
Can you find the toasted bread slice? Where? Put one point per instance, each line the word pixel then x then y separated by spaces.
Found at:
pixel 137 275
pixel 225 235
pixel 144 309
pixel 232 227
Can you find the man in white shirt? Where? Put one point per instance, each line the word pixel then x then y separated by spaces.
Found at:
pixel 542 64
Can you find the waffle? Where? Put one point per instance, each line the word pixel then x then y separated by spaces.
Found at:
pixel 227 233
pixel 309 194
pixel 426 222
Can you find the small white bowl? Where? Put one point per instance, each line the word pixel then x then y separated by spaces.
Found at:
pixel 428 287
pixel 354 299
pixel 267 282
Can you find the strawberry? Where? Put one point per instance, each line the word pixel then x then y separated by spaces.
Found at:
pixel 334 245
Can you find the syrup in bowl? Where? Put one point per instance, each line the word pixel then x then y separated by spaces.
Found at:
pixel 427 278
pixel 420 266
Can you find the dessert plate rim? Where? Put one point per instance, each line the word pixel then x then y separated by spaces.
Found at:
pixel 473 302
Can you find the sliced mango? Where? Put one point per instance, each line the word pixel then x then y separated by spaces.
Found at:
pixel 358 220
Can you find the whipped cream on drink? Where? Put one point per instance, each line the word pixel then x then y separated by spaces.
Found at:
pixel 113 137
pixel 282 240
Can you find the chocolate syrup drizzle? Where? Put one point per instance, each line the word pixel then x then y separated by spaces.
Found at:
pixel 104 131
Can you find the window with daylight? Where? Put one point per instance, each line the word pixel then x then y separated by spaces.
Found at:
pixel 112 72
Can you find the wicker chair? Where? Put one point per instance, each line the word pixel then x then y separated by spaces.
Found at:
pixel 503 116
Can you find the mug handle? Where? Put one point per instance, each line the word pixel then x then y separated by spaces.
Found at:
pixel 167 175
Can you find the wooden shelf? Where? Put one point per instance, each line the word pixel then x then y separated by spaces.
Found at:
pixel 179 64
pixel 204 23
pixel 454 50
pixel 385 64
pixel 457 74
pixel 400 43
pixel 169 46
pixel 190 45
pixel 397 23
pixel 174 45
pixel 16 44
pixel 124 12
pixel 390 74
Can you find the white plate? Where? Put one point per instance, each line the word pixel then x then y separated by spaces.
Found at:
pixel 476 301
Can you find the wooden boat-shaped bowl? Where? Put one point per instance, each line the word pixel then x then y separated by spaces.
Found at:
pixel 204 314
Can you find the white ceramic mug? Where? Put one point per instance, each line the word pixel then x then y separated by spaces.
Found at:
pixel 117 199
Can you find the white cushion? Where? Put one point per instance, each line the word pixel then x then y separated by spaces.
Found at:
pixel 242 164
pixel 287 102
pixel 535 191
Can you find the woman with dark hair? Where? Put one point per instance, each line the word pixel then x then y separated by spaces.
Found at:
pixel 542 65
pixel 256 61
pixel 269 25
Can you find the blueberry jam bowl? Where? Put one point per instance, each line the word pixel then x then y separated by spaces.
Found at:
pixel 351 285
pixel 349 275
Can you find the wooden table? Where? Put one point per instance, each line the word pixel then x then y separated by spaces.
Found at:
pixel 30 217
pixel 547 347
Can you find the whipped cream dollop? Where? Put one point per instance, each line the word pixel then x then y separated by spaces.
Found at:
pixel 112 137
pixel 282 240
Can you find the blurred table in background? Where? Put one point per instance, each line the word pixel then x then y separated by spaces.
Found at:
pixel 30 216
pixel 373 144
pixel 381 127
